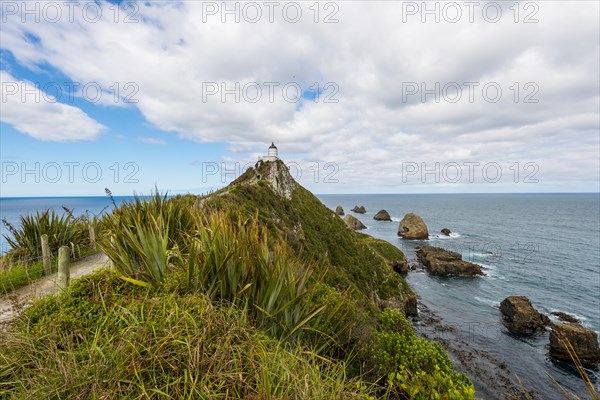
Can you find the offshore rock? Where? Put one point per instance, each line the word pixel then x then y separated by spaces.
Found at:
pixel 413 227
pixel 442 262
pixel 583 340
pixel 520 317
pixel 382 215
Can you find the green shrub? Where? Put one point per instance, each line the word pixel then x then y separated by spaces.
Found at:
pixel 414 367
pixel 62 230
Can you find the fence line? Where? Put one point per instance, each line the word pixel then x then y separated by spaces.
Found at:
pixel 26 270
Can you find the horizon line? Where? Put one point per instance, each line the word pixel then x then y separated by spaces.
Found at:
pixel 316 194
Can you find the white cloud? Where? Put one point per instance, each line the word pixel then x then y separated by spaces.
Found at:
pixel 371 54
pixel 41 116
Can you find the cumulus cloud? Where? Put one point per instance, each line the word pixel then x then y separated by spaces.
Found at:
pixel 40 115
pixel 528 91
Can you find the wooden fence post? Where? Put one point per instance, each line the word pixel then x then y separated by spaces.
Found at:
pixel 92 234
pixel 46 255
pixel 63 267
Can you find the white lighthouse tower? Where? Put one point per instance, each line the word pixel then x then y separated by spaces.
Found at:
pixel 272 154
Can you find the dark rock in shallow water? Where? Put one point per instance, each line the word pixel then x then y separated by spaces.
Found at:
pixel 443 262
pixel 413 227
pixel 353 223
pixel 382 215
pixel 339 210
pixel 446 231
pixel 564 316
pixel 359 210
pixel 519 316
pixel 583 340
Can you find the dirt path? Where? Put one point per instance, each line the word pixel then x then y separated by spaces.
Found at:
pixel 15 301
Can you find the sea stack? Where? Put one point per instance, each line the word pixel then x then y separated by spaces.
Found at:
pixel 382 215
pixel 413 227
pixel 339 210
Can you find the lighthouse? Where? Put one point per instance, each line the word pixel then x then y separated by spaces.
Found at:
pixel 272 154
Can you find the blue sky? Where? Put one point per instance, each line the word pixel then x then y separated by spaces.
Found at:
pixel 210 94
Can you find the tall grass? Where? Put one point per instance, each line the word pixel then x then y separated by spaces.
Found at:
pixel 142 236
pixel 234 261
pixel 103 340
pixel 587 381
pixel 62 230
pixel 224 256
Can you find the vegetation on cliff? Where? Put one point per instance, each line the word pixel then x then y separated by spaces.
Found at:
pixel 256 291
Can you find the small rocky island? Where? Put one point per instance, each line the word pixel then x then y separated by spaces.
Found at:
pixel 359 210
pixel 413 227
pixel 520 317
pixel 442 262
pixel 339 210
pixel 382 215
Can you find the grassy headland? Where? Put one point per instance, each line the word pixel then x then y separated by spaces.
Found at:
pixel 257 291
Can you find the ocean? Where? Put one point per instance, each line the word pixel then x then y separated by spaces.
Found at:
pixel 543 246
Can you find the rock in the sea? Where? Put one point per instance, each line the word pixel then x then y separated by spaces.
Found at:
pixel 359 210
pixel 400 266
pixel 564 316
pixel 413 227
pixel 353 223
pixel 339 210
pixel 382 215
pixel 443 262
pixel 446 231
pixel 583 340
pixel 519 316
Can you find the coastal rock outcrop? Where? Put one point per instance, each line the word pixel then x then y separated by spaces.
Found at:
pixel 353 223
pixel 583 340
pixel 520 317
pixel 413 227
pixel 446 231
pixel 564 316
pixel 359 210
pixel 339 210
pixel 382 215
pixel 445 263
pixel 400 266
pixel 408 305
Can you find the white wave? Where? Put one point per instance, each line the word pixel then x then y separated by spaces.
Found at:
pixel 489 302
pixel 396 219
pixel 579 317
pixel 441 236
